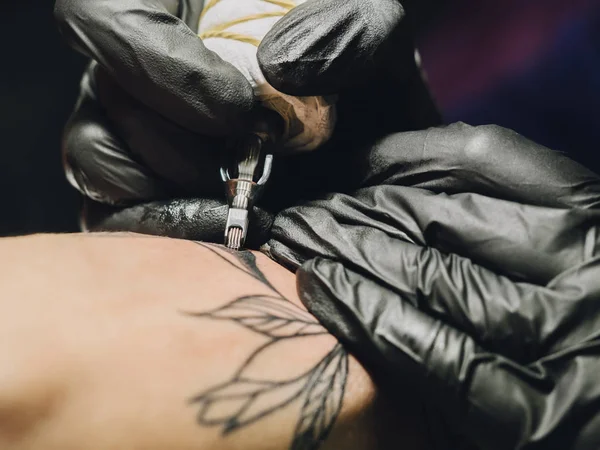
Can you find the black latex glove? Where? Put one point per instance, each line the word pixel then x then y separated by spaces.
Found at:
pixel 490 307
pixel 200 219
pixel 332 44
pixel 146 131
pixel 154 104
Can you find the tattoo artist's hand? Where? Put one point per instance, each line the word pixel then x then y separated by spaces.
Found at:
pixel 331 44
pixel 155 104
pixel 146 134
pixel 482 291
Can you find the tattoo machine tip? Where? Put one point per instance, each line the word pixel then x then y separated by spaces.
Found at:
pixel 243 191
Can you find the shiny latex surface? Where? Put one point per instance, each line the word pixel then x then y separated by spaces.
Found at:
pixel 471 272
pixel 157 109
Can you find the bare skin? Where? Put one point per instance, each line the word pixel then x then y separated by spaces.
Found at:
pixel 129 342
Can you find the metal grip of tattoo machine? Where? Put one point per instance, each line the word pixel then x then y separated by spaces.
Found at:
pixel 243 191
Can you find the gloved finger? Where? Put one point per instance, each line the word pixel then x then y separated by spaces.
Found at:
pixel 190 162
pixel 97 162
pixel 199 219
pixel 487 160
pixel 498 402
pixel 157 58
pixel 525 242
pixel 519 320
pixel 323 46
pixel 500 314
pixel 551 403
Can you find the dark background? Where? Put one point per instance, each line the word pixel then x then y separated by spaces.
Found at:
pixel 531 65
pixel 38 86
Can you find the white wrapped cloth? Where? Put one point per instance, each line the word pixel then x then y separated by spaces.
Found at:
pixel 233 29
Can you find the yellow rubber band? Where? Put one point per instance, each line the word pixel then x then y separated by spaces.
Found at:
pixel 208 6
pixel 229 35
pixel 287 4
pixel 224 26
pixel 218 31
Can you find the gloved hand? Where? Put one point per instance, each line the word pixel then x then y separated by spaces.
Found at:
pixel 330 44
pixel 154 104
pixel 488 306
pixel 147 130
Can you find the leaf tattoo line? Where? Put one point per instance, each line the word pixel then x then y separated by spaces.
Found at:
pixel 242 260
pixel 245 402
pixel 246 397
pixel 323 401
pixel 242 401
pixel 267 315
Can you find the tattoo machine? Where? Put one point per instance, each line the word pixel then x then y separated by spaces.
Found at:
pixel 233 29
pixel 253 171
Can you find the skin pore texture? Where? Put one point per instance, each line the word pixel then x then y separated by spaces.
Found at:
pixel 122 341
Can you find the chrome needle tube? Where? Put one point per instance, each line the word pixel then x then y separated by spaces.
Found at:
pixel 243 191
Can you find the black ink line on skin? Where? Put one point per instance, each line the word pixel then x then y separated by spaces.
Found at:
pixel 275 317
pixel 246 258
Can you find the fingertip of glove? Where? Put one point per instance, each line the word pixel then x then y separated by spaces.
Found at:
pixel 317 292
pixel 242 94
pixel 228 106
pixel 292 76
pixel 310 281
pixel 318 282
pixel 276 71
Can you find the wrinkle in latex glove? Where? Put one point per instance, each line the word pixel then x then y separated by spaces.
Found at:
pixel 487 159
pixel 536 243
